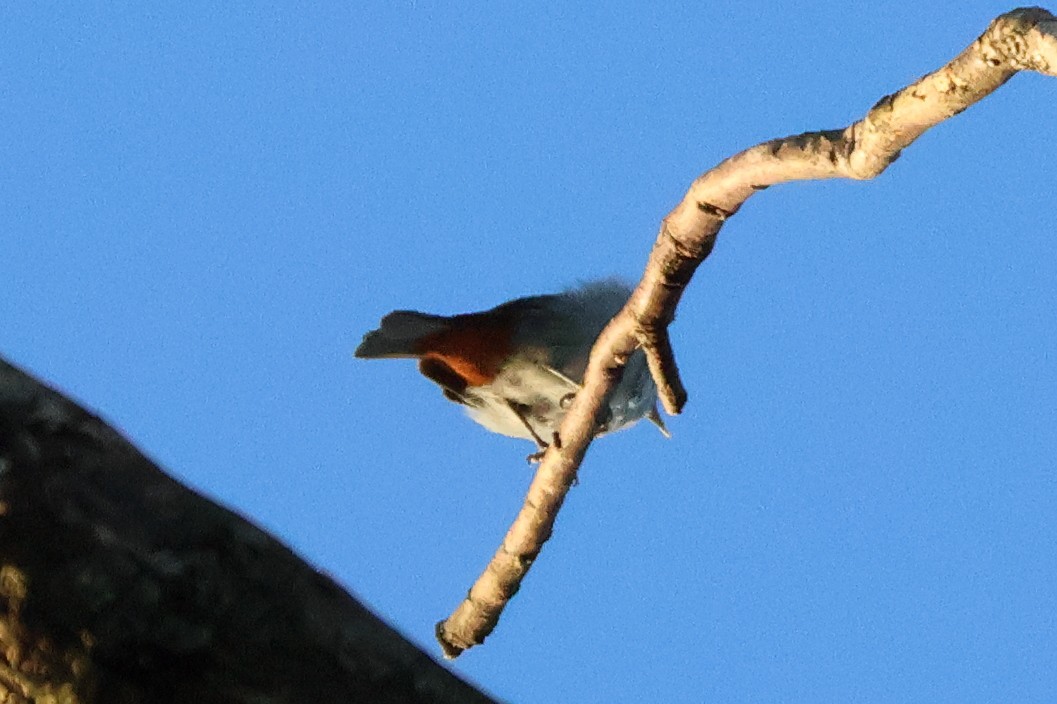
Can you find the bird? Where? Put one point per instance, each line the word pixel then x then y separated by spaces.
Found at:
pixel 516 368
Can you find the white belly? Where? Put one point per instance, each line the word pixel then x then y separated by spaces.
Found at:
pixel 540 393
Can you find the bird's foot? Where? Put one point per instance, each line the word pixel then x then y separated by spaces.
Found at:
pixel 536 456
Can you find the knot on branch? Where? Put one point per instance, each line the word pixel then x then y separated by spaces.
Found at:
pixel 691 249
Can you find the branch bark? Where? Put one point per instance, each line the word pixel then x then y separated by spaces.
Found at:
pixel 1021 40
pixel 120 585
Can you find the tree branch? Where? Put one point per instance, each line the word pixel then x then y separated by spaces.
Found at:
pixel 1021 40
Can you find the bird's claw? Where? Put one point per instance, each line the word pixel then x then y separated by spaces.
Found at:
pixel 537 456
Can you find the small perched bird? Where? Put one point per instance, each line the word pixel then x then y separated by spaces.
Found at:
pixel 517 367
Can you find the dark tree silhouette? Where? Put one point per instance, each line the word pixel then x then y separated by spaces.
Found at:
pixel 119 585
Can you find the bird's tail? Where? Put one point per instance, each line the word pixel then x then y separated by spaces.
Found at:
pixel 399 334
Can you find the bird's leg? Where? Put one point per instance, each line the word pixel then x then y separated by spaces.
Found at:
pixel 556 441
pixel 564 402
pixel 519 411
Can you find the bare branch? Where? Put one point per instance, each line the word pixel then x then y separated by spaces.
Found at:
pixel 1021 40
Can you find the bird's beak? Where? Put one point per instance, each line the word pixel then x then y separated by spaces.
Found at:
pixel 654 416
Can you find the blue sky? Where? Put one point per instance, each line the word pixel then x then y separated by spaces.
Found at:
pixel 203 209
